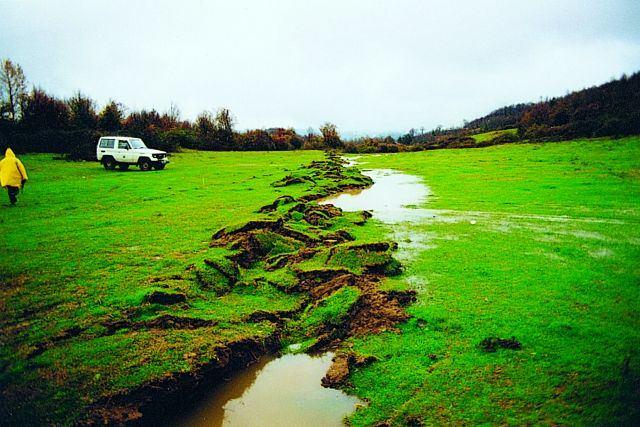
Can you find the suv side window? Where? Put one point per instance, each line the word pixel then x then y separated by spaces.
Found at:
pixel 107 143
pixel 123 145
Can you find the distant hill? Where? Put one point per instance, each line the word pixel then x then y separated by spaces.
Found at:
pixel 502 118
pixel 611 109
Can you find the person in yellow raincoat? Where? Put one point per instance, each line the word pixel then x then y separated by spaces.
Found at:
pixel 12 175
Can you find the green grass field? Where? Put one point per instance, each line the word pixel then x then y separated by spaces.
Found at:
pixel 536 241
pixel 84 245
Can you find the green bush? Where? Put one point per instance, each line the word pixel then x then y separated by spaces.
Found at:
pixel 175 139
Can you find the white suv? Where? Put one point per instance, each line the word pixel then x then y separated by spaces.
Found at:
pixel 124 151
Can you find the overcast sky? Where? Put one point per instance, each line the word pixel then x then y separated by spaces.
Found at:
pixel 367 65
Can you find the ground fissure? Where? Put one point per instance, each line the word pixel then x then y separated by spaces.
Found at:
pixel 336 278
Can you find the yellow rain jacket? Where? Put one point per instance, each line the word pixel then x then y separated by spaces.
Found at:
pixel 12 170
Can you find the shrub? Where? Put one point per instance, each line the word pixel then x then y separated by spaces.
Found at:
pixel 172 140
pixel 253 140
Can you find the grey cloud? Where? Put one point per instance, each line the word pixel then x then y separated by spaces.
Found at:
pixel 367 65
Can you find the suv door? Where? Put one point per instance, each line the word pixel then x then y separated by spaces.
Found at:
pixel 106 146
pixel 123 151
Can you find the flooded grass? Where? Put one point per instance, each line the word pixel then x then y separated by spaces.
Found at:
pixel 392 198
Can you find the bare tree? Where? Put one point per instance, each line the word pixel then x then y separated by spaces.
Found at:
pixel 224 120
pixel 174 112
pixel 330 135
pixel 310 133
pixel 13 86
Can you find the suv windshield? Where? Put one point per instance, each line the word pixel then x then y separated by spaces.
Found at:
pixel 137 143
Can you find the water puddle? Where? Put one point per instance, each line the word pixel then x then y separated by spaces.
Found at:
pixel 393 197
pixel 283 391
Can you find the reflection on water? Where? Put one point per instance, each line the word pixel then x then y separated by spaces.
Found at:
pixel 282 391
pixel 392 198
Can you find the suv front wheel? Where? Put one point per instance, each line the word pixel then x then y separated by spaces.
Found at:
pixel 109 163
pixel 145 165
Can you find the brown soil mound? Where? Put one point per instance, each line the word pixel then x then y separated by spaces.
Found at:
pixel 339 236
pixel 341 367
pixel 279 261
pixel 315 214
pixel 224 236
pixel 376 312
pixel 290 180
pixel 326 288
pixel 248 231
pixel 311 278
pixel 165 321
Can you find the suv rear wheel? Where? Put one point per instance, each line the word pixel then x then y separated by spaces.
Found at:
pixel 109 163
pixel 145 165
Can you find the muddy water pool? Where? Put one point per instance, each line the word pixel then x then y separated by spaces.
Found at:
pixel 393 198
pixel 282 391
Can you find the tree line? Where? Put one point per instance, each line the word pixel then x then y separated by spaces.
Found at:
pixel 611 109
pixel 35 121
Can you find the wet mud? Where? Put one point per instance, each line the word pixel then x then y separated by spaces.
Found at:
pixel 158 402
pixel 338 374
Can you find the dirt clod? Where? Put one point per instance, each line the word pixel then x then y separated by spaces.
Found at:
pixel 165 298
pixel 376 312
pixel 312 278
pixel 338 373
pixel 290 180
pixel 336 237
pixel 282 200
pixel 341 367
pixel 364 216
pixel 279 261
pixel 492 344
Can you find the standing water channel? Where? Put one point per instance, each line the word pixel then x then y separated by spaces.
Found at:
pixel 286 390
pixel 276 391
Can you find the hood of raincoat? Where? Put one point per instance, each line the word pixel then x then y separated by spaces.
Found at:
pixel 12 171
